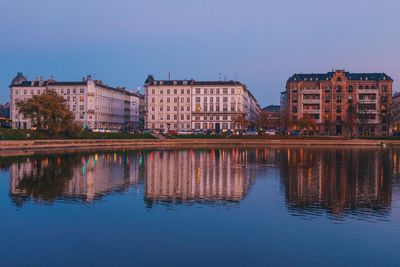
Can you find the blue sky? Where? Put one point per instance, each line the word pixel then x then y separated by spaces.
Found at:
pixel 260 42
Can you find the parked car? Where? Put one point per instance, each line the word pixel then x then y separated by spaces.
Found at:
pixel 296 133
pixel 172 132
pixel 251 132
pixel 198 132
pixel 227 132
pixel 270 132
pixel 184 132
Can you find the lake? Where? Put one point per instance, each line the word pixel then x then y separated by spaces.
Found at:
pixel 279 206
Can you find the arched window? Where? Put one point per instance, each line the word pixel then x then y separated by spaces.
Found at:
pixel 360 87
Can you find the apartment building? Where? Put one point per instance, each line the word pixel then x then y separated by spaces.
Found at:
pixel 94 104
pixel 198 105
pixel 338 102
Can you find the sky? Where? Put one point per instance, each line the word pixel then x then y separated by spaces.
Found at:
pixel 258 42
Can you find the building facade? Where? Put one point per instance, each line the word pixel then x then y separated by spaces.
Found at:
pixel 94 104
pixel 339 102
pixel 271 116
pixel 198 105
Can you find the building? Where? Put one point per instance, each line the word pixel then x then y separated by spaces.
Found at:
pixel 271 116
pixel 94 104
pixel 339 102
pixel 198 105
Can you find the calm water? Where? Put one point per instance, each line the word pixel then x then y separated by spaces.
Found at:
pixel 230 207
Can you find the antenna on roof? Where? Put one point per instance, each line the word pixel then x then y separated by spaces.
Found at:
pixel 219 76
pixel 169 76
pixel 235 75
pixel 225 77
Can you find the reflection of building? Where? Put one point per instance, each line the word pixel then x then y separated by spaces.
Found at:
pixel 337 180
pixel 83 177
pixel 197 175
pixel 339 102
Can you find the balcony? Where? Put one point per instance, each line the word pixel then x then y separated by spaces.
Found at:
pixel 311 101
pixel 311 111
pixel 367 101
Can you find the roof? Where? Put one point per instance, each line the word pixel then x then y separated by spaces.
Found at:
pixel 72 83
pixel 349 76
pixel 272 108
pixel 193 82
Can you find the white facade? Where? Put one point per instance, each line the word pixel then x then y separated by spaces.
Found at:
pixel 94 104
pixel 193 105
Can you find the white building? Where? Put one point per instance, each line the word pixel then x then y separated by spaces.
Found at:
pixel 94 104
pixel 195 105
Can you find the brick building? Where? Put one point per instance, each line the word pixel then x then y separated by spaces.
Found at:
pixel 338 102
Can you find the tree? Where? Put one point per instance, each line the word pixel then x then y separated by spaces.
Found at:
pixel 390 115
pixel 351 119
pixel 240 122
pixel 265 121
pixel 306 123
pixel 48 112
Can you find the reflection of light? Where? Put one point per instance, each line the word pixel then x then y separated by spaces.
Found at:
pixel 96 157
pixel 115 156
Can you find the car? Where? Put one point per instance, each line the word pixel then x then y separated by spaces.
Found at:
pixel 270 132
pixel 251 132
pixel 296 133
pixel 227 132
pixel 198 132
pixel 184 132
pixel 172 132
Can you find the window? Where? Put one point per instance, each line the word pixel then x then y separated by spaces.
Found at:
pixel 232 90
pixel 197 90
pixel 74 91
pixel 225 90
pixel 82 90
pixel 168 91
pixel 197 99
pixel 153 91
pixel 175 91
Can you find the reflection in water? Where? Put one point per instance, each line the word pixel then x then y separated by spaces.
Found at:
pixel 72 177
pixel 314 180
pixel 338 180
pixel 198 176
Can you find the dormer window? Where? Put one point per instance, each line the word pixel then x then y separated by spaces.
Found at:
pixel 339 79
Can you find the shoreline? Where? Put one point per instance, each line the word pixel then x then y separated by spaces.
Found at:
pixel 23 147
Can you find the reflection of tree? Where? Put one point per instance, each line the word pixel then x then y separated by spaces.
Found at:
pixel 47 178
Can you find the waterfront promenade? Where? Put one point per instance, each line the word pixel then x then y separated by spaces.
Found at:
pixel 22 146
